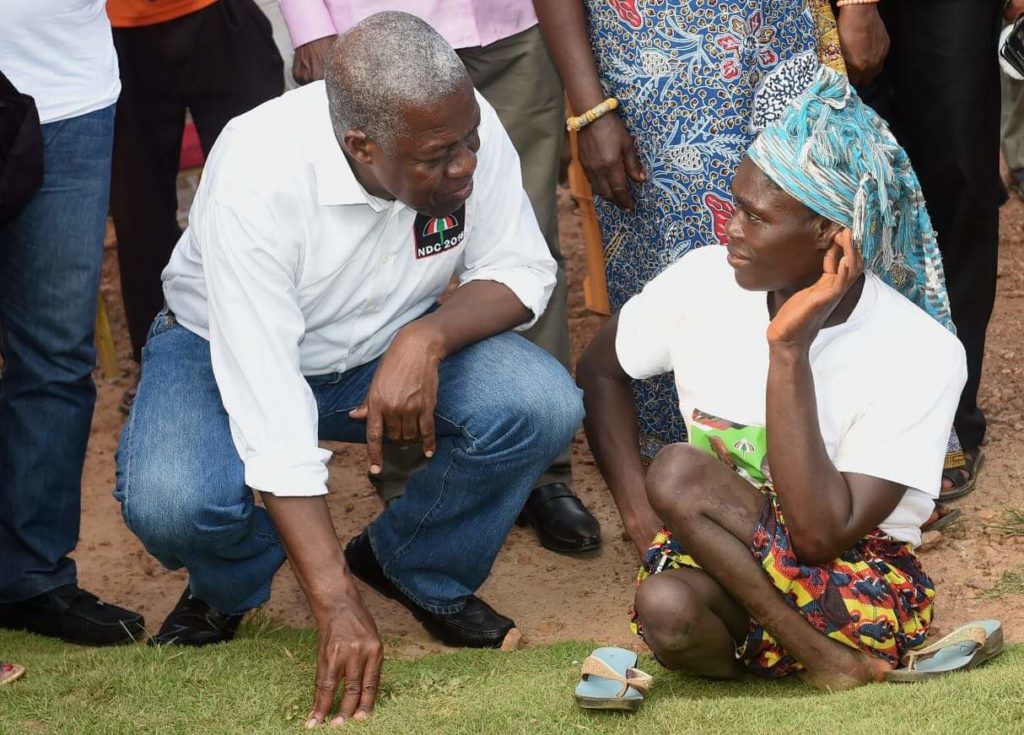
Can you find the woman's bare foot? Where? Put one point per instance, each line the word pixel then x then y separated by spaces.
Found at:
pixel 850 669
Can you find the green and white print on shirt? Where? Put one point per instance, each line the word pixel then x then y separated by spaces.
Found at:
pixel 742 448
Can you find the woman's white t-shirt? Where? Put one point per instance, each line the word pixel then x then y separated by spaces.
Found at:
pixel 887 381
pixel 60 52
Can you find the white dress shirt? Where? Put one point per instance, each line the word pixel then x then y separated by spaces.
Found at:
pixel 290 268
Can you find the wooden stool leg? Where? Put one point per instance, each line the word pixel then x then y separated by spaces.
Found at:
pixel 105 350
pixel 595 287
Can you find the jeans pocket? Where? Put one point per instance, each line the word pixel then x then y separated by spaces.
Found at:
pixel 164 321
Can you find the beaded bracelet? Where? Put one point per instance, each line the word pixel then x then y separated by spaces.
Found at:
pixel 573 124
pixel 844 3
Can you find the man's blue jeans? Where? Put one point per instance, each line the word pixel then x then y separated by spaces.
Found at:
pixel 505 409
pixel 50 258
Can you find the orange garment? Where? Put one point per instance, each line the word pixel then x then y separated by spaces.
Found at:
pixel 134 13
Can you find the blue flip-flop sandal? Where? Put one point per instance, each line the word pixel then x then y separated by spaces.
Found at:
pixel 610 681
pixel 970 645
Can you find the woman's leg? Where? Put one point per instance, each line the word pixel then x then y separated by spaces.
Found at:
pixel 713 513
pixel 691 623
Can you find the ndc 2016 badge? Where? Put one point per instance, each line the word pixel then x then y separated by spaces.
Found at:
pixel 436 235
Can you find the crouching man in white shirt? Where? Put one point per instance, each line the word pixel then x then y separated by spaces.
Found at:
pixel 301 305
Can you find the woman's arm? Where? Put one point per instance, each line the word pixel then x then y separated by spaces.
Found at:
pixel 606 148
pixel 827 511
pixel 612 432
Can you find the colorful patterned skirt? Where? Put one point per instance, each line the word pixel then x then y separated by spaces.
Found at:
pixel 686 72
pixel 875 597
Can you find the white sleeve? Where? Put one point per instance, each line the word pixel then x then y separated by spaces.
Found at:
pixel 505 243
pixel 255 330
pixel 648 321
pixel 902 435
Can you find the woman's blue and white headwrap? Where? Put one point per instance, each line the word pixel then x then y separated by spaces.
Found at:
pixel 826 148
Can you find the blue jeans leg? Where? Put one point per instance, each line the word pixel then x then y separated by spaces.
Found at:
pixel 505 410
pixel 181 483
pixel 50 258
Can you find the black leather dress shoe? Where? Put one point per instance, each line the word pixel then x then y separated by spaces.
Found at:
pixel 194 623
pixel 74 615
pixel 561 520
pixel 477 625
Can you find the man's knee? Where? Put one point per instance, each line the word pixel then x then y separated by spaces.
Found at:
pixel 668 611
pixel 173 512
pixel 541 402
pixel 676 480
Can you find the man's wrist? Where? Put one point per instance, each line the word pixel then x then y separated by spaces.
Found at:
pixel 333 593
pixel 425 336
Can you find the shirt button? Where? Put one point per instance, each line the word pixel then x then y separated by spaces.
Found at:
pixel 386 260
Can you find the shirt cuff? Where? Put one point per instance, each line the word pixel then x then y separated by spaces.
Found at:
pixel 307 20
pixel 289 472
pixel 533 293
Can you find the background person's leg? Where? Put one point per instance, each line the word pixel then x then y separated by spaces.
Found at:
pixel 50 258
pixel 517 77
pixel 181 483
pixel 234 64
pixel 943 76
pixel 143 194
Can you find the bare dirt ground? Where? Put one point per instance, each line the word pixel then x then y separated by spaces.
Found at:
pixel 554 597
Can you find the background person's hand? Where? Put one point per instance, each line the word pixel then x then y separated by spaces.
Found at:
pixel 608 156
pixel 401 400
pixel 349 656
pixel 800 319
pixel 864 40
pixel 1014 9
pixel 310 59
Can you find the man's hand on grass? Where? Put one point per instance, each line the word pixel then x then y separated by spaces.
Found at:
pixel 349 656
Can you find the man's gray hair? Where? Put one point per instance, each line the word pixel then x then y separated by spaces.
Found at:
pixel 381 65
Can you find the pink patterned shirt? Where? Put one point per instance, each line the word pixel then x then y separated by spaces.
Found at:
pixel 463 23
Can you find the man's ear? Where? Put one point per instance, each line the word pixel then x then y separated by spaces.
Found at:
pixel 360 146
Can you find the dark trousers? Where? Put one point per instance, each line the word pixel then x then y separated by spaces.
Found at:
pixel 940 94
pixel 218 63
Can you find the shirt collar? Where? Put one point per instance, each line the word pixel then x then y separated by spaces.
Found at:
pixel 335 182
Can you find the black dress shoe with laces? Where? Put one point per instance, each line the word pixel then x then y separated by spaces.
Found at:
pixel 76 616
pixel 561 520
pixel 194 623
pixel 477 625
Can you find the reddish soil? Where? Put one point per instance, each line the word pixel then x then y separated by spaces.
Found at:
pixel 554 597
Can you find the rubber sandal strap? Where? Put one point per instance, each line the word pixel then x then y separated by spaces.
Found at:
pixel 970 633
pixel 594 666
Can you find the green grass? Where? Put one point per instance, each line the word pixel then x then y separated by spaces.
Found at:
pixel 1011 524
pixel 1010 583
pixel 262 682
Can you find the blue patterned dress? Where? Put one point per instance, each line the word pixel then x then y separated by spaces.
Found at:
pixel 686 72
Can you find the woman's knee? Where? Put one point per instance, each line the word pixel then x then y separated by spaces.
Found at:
pixel 668 611
pixel 676 480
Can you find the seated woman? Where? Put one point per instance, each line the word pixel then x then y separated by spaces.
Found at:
pixel 818 396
